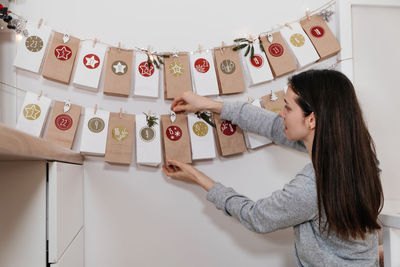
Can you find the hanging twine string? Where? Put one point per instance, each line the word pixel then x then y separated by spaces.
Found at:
pixel 315 11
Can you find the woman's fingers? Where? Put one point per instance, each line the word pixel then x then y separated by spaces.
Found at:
pixel 176 101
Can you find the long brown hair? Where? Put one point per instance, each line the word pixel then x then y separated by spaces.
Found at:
pixel 348 184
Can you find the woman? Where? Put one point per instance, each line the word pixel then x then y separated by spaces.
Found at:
pixel 333 202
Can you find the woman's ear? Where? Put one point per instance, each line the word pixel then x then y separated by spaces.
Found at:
pixel 311 121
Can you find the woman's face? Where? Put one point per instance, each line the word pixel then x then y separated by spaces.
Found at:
pixel 297 127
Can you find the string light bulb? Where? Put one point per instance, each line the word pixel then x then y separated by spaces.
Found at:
pixel 18 37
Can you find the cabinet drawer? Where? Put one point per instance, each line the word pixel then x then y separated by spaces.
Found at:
pixel 65 207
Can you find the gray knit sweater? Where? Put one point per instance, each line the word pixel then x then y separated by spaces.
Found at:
pixel 293 206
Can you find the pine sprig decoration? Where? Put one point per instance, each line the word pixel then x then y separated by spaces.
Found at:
pixel 242 43
pixel 151 120
pixel 206 117
pixel 154 58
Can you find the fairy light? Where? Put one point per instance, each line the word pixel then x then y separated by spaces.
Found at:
pixel 18 37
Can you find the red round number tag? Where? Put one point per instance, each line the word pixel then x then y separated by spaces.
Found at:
pixel 63 122
pixel 174 133
pixel 257 61
pixel 227 128
pixel 317 31
pixel 276 49
pixel 63 52
pixel 202 65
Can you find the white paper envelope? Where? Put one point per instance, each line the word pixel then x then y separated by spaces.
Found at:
pixel 146 77
pixel 89 65
pixel 33 114
pixel 201 138
pixel 257 68
pixel 148 142
pixel 254 140
pixel 203 73
pixel 300 44
pixel 31 49
pixel 94 132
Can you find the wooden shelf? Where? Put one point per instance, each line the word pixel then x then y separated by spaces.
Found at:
pixel 17 145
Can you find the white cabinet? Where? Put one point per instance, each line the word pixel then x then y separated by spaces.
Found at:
pixel 30 191
pixel 65 207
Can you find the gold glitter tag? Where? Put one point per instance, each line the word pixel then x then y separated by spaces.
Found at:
pixel 228 66
pixel 176 69
pixel 147 134
pixel 297 39
pixel 200 128
pixel 34 43
pixel 119 67
pixel 120 133
pixel 96 125
pixel 32 112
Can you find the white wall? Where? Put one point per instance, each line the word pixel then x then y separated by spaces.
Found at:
pixel 135 216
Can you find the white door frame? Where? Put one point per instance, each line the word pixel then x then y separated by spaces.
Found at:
pixel 345 32
pixel 391 238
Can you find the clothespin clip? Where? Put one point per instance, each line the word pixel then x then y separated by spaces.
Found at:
pixel 66 38
pixel 172 115
pixel 67 106
pixel 149 54
pixel 39 95
pixel 120 113
pixel 308 14
pixel 94 42
pixel 288 25
pixel 274 97
pixel 200 49
pixel 270 38
pixel 250 99
pixel 119 46
pixel 222 47
pixel 40 23
pixel 95 109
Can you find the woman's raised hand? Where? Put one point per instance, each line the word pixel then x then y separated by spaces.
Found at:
pixel 191 102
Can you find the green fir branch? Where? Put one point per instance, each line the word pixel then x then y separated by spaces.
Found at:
pixel 205 117
pixel 151 120
pixel 241 46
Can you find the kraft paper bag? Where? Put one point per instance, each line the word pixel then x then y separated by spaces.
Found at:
pixel 230 139
pixel 94 132
pixel 176 75
pixel 63 125
pixel 33 114
pixel 257 67
pixel 300 44
pixel 229 70
pixel 148 141
pixel 147 77
pixel 254 140
pixel 60 58
pixel 201 138
pixel 321 36
pixel 31 49
pixel 279 56
pixel 274 102
pixel 120 138
pixel 205 81
pixel 90 64
pixel 118 72
pixel 176 138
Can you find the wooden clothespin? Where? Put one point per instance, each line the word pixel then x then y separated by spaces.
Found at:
pixel 149 53
pixel 288 25
pixel 119 46
pixel 120 113
pixel 39 95
pixel 200 49
pixel 222 47
pixel 308 14
pixel 94 42
pixel 95 109
pixel 40 23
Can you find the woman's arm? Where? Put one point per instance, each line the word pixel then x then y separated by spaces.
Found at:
pixel 261 121
pixel 294 204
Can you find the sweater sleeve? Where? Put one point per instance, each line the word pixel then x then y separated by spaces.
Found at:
pixel 261 121
pixel 294 204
